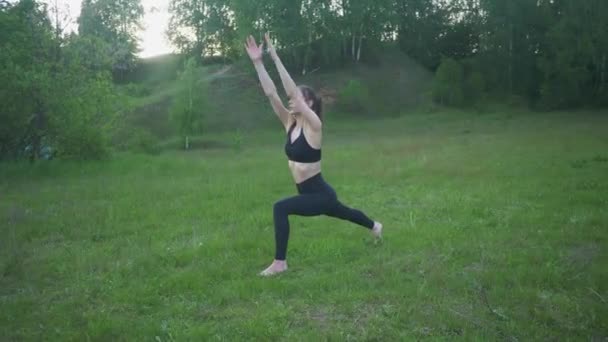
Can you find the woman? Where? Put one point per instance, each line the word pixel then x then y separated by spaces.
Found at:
pixel 303 124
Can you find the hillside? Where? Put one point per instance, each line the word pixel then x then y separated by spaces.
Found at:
pixel 395 85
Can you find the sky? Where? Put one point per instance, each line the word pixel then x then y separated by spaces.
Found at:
pixel 156 19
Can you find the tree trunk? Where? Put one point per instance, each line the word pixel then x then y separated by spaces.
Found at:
pixel 307 54
pixel 602 75
pixel 38 125
pixel 510 76
pixel 201 33
pixel 190 111
pixel 190 100
pixel 35 141
pixel 359 48
pixel 352 50
pixel 37 122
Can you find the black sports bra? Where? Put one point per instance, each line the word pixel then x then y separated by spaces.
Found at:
pixel 300 151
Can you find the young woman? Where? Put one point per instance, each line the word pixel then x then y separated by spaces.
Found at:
pixel 303 124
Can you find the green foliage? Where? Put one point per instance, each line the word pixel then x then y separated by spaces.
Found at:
pixel 137 90
pixel 548 53
pixel 140 140
pixel 421 22
pixel 355 98
pixel 26 44
pixel 91 53
pixel 210 22
pixel 115 22
pixel 474 87
pixel 192 103
pixel 448 83
pixel 311 33
pixel 81 127
pixel 555 52
pixel 237 139
pixel 58 91
pixel 575 63
pixel 457 84
pixel 83 143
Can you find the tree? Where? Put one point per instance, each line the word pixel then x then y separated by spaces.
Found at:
pixel 85 107
pixel 421 24
pixel 191 104
pixel 575 59
pixel 449 83
pixel 512 36
pixel 49 95
pixel 116 23
pixel 26 63
pixel 201 28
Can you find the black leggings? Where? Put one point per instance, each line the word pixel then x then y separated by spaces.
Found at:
pixel 315 198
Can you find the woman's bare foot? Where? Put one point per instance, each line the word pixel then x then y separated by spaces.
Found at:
pixel 277 266
pixel 377 230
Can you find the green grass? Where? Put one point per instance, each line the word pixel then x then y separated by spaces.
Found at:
pixel 496 229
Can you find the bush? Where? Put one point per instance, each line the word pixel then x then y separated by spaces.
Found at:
pixel 83 143
pixel 137 90
pixel 355 98
pixel 458 84
pixel 563 91
pixel 140 140
pixel 237 139
pixel 448 85
pixel 602 99
pixel 475 87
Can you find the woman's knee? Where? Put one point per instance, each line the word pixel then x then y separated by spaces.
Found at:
pixel 277 207
pixel 339 210
pixel 280 207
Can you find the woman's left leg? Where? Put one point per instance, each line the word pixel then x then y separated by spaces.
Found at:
pixel 339 210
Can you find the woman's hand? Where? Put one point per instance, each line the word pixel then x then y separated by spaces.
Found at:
pixel 271 50
pixel 253 50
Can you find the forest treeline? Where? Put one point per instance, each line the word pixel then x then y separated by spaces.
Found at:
pixel 550 51
pixel 59 88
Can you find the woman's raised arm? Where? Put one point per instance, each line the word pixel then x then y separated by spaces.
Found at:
pixel 288 84
pixel 255 53
pixel 297 101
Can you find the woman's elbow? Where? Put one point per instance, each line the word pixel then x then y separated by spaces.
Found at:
pixel 292 92
pixel 270 92
pixel 320 125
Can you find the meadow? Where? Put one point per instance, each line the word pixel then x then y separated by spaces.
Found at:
pixel 496 228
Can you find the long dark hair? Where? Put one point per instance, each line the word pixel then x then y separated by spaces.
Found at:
pixel 317 103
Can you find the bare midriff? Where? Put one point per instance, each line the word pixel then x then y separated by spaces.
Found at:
pixel 303 171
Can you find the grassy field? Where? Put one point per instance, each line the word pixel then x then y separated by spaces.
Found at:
pixel 496 228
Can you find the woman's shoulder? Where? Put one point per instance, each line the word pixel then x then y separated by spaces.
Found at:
pixel 291 122
pixel 313 136
pixel 309 128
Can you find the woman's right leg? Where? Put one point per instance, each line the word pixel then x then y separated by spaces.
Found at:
pixel 302 205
